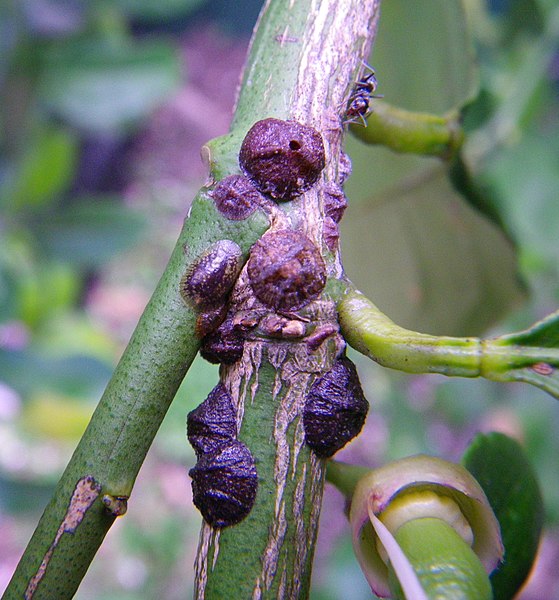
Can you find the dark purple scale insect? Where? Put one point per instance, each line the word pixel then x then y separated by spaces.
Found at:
pixel 282 158
pixel 211 276
pixel 286 270
pixel 224 484
pixel 358 106
pixel 335 409
pixel 212 424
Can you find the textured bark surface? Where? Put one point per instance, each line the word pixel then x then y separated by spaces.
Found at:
pixel 304 60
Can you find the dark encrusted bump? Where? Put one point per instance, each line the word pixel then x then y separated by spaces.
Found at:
pixel 211 276
pixel 335 202
pixel 282 158
pixel 286 270
pixel 236 197
pixel 212 424
pixel 209 320
pixel 335 409
pixel 224 345
pixel 224 484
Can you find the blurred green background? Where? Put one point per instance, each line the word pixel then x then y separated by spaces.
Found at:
pixel 104 107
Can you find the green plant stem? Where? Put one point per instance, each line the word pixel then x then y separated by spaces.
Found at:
pixel 304 58
pixel 446 566
pixel 105 464
pixel 344 476
pixel 531 356
pixel 411 132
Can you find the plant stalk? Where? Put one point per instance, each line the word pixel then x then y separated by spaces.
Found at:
pixel 305 57
pixel 99 478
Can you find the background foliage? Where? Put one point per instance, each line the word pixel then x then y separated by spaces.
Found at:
pixel 104 106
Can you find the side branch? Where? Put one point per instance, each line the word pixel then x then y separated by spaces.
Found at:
pixel 530 356
pixel 412 132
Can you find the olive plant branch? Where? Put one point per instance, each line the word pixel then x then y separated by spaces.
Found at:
pixel 99 478
pixel 530 356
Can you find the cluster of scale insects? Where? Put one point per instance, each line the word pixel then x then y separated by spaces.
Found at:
pixel 279 160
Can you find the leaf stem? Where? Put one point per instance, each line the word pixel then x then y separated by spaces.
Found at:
pixel 411 132
pixel 530 356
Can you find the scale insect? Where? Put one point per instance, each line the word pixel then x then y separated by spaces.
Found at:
pixel 224 479
pixel 358 105
pixel 335 409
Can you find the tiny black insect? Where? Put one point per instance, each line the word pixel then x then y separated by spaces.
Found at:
pixel 358 105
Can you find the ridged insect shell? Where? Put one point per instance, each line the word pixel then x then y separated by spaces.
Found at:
pixel 224 484
pixel 212 275
pixel 286 270
pixel 236 197
pixel 282 158
pixel 212 424
pixel 335 409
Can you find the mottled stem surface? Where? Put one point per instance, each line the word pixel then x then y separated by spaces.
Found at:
pixel 305 57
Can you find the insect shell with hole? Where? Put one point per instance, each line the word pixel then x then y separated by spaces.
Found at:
pixel 358 105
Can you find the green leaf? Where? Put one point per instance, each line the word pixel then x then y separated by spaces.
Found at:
pixel 45 290
pixel 101 85
pixel 531 209
pixel 504 472
pixel 45 169
pixel 423 55
pixel 543 334
pixel 530 356
pixel 424 62
pixel 432 263
pixel 89 232
pixel 478 196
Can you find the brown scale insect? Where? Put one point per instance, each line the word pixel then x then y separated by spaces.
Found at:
pixel 335 409
pixel 211 276
pixel 282 158
pixel 286 270
pixel 236 197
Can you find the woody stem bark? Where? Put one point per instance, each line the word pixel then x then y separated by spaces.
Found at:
pixel 304 58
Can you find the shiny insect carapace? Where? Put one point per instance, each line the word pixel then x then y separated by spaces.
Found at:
pixel 358 105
